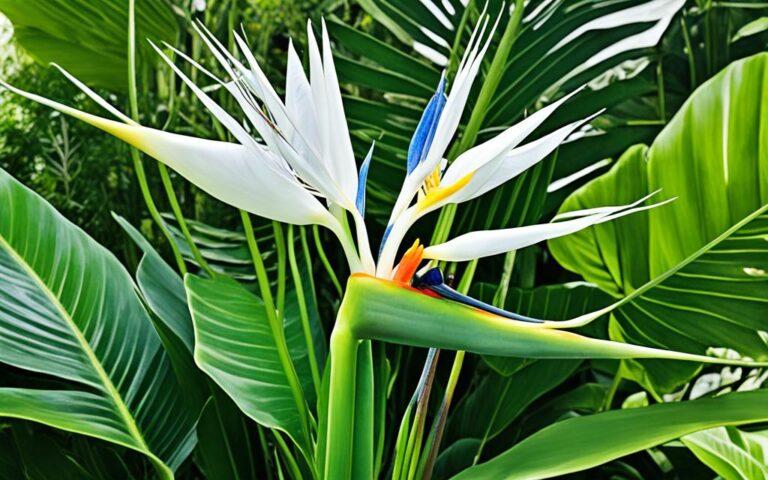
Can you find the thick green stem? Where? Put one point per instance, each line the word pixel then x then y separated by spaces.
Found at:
pixel 341 399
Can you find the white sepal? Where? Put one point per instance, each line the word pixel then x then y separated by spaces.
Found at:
pixel 492 242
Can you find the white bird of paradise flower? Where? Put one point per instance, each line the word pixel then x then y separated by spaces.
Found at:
pixel 302 169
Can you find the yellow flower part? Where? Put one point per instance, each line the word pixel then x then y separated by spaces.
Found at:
pixel 438 194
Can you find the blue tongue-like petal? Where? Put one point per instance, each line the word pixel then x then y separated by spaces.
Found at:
pixel 361 181
pixel 425 131
pixel 433 280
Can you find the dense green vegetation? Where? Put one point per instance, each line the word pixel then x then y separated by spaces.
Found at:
pixel 149 329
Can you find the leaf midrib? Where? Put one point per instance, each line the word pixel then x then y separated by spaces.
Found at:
pixel 693 257
pixel 110 388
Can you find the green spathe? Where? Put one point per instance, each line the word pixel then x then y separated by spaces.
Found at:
pixel 374 309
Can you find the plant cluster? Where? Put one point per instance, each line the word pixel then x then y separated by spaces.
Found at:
pixel 400 239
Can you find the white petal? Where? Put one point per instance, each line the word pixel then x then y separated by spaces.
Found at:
pixel 511 164
pixel 492 242
pixel 315 175
pixel 264 90
pixel 342 157
pixel 230 172
pixel 299 103
pixel 95 96
pixel 449 121
pixel 476 157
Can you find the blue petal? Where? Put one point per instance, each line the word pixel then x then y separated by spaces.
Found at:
pixel 384 238
pixel 433 280
pixel 451 294
pixel 433 277
pixel 361 181
pixel 425 131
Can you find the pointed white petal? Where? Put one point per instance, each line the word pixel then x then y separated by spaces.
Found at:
pixel 342 160
pixel 264 90
pixel 300 105
pixel 230 172
pixel 492 242
pixel 95 96
pixel 476 157
pixel 511 164
pixel 449 121
pixel 315 175
pixel 232 125
pixel 600 210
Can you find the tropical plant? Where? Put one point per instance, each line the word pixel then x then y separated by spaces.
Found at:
pixel 210 361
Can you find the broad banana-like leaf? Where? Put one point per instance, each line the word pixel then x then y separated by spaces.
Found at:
pixel 225 435
pixel 379 309
pixel 235 346
pixel 731 453
pixel 69 309
pixel 88 38
pixel 692 274
pixel 497 400
pixel 584 442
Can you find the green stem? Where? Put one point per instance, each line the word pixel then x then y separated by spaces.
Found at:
pixel 290 460
pixel 660 83
pixel 303 310
pixel 608 401
pixel 278 334
pixel 280 246
pixel 689 51
pixel 177 213
pixel 324 260
pixel 436 435
pixel 138 166
pixel 341 399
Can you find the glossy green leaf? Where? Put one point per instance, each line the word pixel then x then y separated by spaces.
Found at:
pixel 731 453
pixel 68 309
pixel 497 400
pixel 583 442
pixel 88 38
pixel 691 274
pixel 752 28
pixel 235 347
pixel 227 444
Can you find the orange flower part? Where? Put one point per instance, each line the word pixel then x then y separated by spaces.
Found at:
pixel 409 263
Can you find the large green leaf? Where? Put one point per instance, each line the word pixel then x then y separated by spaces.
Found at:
pixel 733 454
pixel 68 309
pixel 584 442
pixel 225 435
pixel 88 38
pixel 234 345
pixel 692 274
